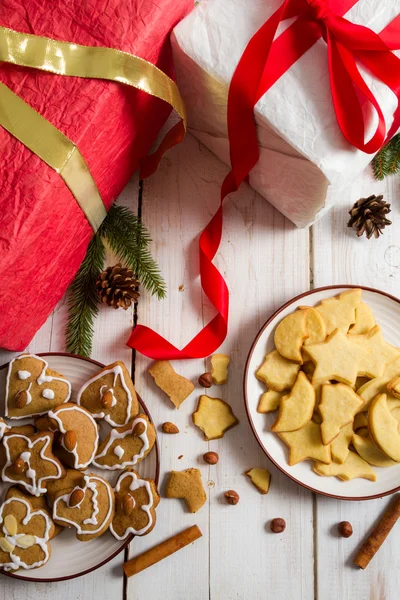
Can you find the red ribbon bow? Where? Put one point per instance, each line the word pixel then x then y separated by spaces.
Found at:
pixel 263 62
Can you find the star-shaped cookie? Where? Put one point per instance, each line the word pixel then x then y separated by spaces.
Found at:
pixel 31 462
pixel 380 353
pixel 306 443
pixel 337 358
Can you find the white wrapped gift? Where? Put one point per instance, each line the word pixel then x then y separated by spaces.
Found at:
pixel 302 150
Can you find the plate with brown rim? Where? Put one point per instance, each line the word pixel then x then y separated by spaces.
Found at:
pixel 386 309
pixel 71 558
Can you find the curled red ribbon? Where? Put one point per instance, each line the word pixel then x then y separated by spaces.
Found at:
pixel 263 62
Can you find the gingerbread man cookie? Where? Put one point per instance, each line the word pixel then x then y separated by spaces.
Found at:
pixel 30 461
pixel 32 388
pixel 135 502
pixel 88 507
pixel 127 445
pixel 79 434
pixel 24 535
pixel 110 395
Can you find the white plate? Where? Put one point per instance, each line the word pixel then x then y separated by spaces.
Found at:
pixel 386 310
pixel 69 557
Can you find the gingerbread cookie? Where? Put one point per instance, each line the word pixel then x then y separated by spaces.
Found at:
pixel 32 388
pixel 37 503
pixel 56 487
pixel 135 502
pixel 188 486
pixel 80 436
pixel 30 462
pixel 89 507
pixel 127 445
pixel 24 535
pixel 3 428
pixel 110 395
pixel 177 387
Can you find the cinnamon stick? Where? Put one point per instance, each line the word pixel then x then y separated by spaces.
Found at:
pixel 375 540
pixel 157 553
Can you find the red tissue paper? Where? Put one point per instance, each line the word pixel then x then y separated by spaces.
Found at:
pixel 43 232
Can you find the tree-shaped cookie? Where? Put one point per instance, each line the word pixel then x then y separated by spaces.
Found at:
pixel 354 466
pixel 339 403
pixel 135 502
pixel 126 446
pixel 110 395
pixel 79 434
pixel 32 388
pixel 30 462
pixel 89 507
pixel 306 443
pixel 24 535
pixel 296 409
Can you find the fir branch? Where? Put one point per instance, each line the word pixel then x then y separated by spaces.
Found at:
pixel 129 239
pixel 387 161
pixel 83 300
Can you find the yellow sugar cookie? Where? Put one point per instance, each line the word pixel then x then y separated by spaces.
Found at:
pixel 296 409
pixel 370 452
pixel 339 403
pixel 393 403
pixel 315 327
pixel 363 432
pixel 278 373
pixel 340 312
pixel 394 386
pixel 219 368
pixel 360 381
pixel 290 335
pixel 306 443
pixel 214 417
pixel 260 478
pixel 370 390
pixel 269 401
pixel 396 414
pixel 384 427
pixel 353 467
pixel 340 445
pixel 337 358
pixel 379 355
pixel 308 368
pixel 365 320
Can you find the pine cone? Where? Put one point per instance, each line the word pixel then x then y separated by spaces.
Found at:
pixel 369 215
pixel 116 287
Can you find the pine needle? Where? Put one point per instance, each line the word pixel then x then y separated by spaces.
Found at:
pixel 387 161
pixel 83 300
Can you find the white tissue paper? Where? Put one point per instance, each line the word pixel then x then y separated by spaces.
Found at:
pixel 302 150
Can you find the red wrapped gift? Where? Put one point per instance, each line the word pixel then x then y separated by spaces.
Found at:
pixel 43 231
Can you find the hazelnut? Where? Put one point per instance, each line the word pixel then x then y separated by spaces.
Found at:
pixel 70 440
pixel 345 529
pixel 168 427
pixel 21 399
pixel 107 399
pixel 211 458
pixel 18 466
pixel 139 429
pixel 76 497
pixel 277 525
pixel 231 497
pixel 128 504
pixel 205 380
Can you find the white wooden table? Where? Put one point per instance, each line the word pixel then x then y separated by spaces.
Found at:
pixel 266 261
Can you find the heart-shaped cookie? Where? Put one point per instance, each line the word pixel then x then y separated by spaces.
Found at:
pixel 32 388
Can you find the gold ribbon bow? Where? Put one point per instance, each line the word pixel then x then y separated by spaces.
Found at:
pixel 45 140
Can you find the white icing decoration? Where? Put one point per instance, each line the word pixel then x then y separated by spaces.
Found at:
pixel 28 394
pixel 43 378
pixel 3 428
pixel 117 370
pixel 55 415
pixel 135 484
pixel 117 435
pixel 89 483
pixel 48 394
pixel 22 375
pixel 35 488
pixel 118 451
pixel 16 562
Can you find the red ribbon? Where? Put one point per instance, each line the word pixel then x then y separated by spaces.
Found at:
pixel 263 62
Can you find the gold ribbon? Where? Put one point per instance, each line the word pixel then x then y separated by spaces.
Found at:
pixel 74 60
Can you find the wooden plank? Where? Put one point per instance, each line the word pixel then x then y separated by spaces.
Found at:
pixel 111 331
pixel 340 257
pixel 265 261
